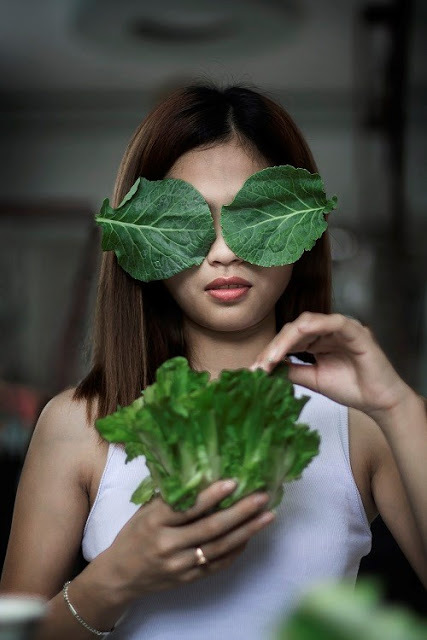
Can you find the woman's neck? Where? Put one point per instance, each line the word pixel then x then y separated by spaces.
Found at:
pixel 215 351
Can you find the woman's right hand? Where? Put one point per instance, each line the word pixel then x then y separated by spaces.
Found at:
pixel 156 549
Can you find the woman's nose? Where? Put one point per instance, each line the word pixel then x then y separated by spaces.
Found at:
pixel 220 252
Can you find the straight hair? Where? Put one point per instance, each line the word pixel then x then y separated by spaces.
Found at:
pixel 138 325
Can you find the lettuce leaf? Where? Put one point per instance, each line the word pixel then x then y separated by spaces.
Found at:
pixel 193 431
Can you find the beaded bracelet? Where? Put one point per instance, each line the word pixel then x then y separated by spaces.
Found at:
pixel 78 618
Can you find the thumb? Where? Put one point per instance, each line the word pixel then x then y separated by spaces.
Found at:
pixel 304 375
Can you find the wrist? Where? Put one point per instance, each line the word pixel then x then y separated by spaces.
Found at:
pixel 97 596
pixel 78 618
pixel 407 403
pixel 115 579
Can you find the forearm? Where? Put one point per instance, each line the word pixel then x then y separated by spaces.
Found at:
pixel 96 597
pixel 405 427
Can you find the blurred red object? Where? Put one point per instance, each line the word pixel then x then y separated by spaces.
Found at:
pixel 20 401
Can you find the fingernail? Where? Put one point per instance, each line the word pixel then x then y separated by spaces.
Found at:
pixel 273 356
pixel 268 516
pixel 261 498
pixel 228 485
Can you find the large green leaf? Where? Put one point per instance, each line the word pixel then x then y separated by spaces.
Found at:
pixel 160 228
pixel 277 215
pixel 165 226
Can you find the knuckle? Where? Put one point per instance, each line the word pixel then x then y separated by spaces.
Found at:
pixel 370 334
pixel 368 330
pixel 181 517
pixel 174 565
pixel 164 546
pixel 306 316
pixel 337 321
pixel 203 501
pixel 221 547
pixel 213 528
pixel 150 521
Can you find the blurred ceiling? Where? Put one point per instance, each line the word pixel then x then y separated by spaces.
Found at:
pixel 146 44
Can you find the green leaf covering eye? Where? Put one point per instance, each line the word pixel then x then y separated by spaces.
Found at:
pixel 165 226
pixel 160 228
pixel 276 216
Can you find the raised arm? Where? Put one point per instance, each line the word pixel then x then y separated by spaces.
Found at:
pixel 352 369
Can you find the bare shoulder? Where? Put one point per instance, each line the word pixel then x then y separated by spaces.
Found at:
pixel 64 433
pixel 64 416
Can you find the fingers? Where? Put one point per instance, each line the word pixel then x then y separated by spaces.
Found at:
pixel 303 375
pixel 206 501
pixel 174 539
pixel 224 521
pixel 237 538
pixel 196 573
pixel 316 333
pixel 168 551
pixel 219 553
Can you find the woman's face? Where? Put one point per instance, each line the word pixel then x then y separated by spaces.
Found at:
pixel 218 173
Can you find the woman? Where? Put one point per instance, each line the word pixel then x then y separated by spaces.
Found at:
pixel 145 566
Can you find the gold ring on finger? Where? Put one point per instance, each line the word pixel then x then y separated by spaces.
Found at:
pixel 200 557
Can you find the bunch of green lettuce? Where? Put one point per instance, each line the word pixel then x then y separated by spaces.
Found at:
pixel 337 611
pixel 193 431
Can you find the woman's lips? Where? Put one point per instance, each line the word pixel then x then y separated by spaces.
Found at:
pixel 226 295
pixel 228 288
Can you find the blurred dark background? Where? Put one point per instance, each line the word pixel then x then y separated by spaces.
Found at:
pixel 78 77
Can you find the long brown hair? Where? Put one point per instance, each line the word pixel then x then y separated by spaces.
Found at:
pixel 137 325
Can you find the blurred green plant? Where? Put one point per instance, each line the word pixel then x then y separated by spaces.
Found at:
pixel 342 612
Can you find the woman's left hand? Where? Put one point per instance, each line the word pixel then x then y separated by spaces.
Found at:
pixel 350 367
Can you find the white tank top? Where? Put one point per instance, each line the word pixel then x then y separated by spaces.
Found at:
pixel 320 533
